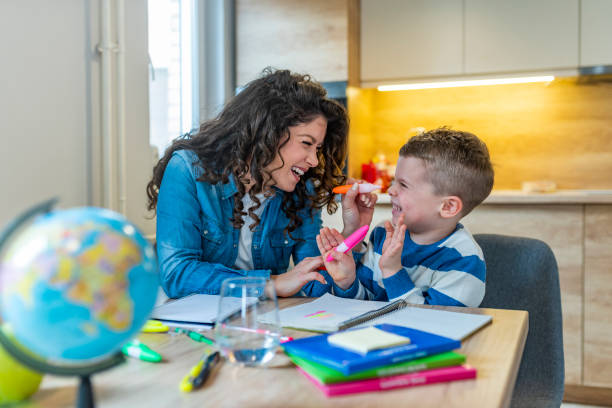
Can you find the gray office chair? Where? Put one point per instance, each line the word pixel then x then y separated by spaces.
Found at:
pixel 522 274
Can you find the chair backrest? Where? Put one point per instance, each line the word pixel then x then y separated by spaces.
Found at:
pixel 522 274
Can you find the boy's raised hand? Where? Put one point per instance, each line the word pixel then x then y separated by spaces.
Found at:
pixel 342 268
pixel 357 209
pixel 391 258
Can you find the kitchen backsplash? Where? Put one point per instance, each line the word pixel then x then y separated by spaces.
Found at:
pixel 560 132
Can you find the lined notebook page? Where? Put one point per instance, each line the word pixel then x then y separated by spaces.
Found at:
pixel 196 309
pixel 326 313
pixel 455 325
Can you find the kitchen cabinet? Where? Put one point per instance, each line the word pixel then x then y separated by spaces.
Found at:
pixel 417 39
pixel 410 38
pixel 520 35
pixel 595 32
pixel 308 37
pixel 598 296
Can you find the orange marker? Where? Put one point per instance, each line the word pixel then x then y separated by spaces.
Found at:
pixel 363 188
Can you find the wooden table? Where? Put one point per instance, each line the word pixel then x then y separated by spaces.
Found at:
pixel 495 351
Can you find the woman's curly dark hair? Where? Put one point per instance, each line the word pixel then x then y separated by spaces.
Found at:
pixel 247 135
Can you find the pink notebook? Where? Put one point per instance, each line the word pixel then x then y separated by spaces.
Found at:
pixel 436 375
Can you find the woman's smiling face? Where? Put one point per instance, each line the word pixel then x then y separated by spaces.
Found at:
pixel 298 154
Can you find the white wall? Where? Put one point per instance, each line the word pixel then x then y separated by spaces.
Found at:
pixel 43 104
pixel 139 154
pixel 49 106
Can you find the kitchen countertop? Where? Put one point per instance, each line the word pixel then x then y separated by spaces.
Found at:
pixel 556 197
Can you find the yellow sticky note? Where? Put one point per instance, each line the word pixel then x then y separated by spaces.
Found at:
pixel 364 340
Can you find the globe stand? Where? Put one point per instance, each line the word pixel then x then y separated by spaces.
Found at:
pixel 85 394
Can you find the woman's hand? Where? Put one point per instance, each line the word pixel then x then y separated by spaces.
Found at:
pixel 357 209
pixel 391 259
pixel 290 282
pixel 342 268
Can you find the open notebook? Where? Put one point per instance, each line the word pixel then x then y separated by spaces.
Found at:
pixel 197 309
pixel 331 313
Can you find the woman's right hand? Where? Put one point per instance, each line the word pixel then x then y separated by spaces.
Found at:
pixel 357 209
pixel 290 282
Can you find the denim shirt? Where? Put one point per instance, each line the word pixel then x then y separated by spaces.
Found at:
pixel 197 244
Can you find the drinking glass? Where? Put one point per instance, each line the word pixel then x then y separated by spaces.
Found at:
pixel 247 329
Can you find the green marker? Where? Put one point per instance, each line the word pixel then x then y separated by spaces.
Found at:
pixel 141 351
pixel 195 336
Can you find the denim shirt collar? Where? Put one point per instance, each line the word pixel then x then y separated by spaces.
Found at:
pixel 229 189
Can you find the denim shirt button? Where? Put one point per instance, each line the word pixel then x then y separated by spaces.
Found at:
pixel 286 242
pixel 255 246
pixel 235 245
pixel 205 232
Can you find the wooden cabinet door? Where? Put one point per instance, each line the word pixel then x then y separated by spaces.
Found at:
pixel 520 35
pixel 309 37
pixel 595 32
pixel 598 296
pixel 410 38
pixel 560 226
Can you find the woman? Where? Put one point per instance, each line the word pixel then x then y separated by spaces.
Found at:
pixel 243 194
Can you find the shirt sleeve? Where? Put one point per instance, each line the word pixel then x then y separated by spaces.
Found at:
pixel 456 282
pixel 367 270
pixel 179 237
pixel 459 282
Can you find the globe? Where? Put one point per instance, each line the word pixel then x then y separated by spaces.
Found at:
pixel 75 285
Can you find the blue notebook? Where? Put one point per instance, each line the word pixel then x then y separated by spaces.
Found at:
pixel 422 344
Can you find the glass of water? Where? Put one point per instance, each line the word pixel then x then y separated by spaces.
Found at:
pixel 247 329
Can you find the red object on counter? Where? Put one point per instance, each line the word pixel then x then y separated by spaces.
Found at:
pixel 369 172
pixel 385 181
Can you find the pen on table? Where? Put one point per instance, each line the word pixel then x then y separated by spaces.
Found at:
pixel 199 373
pixel 141 351
pixel 195 336
pixel 282 339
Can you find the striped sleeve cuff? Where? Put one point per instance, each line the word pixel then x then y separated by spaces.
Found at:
pixel 351 292
pixel 398 284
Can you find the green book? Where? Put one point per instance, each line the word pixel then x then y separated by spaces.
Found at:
pixel 327 375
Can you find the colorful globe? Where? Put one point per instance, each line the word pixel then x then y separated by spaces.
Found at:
pixel 75 285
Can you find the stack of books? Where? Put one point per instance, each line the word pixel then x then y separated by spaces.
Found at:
pixel 339 364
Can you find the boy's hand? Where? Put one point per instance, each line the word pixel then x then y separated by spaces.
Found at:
pixel 290 282
pixel 357 209
pixel 342 268
pixel 391 258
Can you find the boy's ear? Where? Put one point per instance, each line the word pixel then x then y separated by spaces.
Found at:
pixel 451 206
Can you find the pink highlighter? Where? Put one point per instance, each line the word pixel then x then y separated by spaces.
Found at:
pixel 350 242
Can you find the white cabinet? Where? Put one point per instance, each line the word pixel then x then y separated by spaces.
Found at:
pixel 520 35
pixel 403 39
pixel 410 38
pixel 595 32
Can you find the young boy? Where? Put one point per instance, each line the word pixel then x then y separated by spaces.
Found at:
pixel 424 255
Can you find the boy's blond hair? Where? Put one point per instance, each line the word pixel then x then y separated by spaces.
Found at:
pixel 457 163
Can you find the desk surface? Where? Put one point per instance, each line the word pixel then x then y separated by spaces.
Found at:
pixel 495 351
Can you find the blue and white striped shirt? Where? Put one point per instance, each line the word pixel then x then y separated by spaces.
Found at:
pixel 448 272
